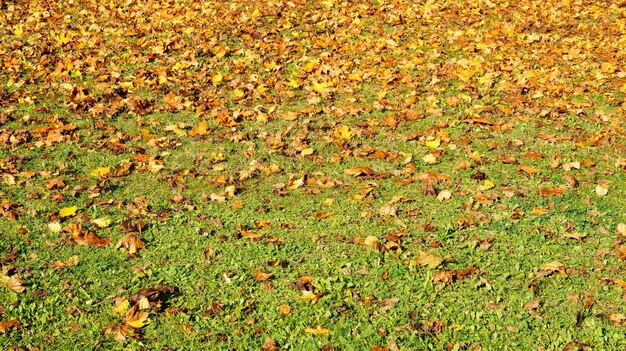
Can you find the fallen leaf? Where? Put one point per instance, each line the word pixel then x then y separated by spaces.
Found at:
pixel 269 345
pixel 101 171
pixel 261 276
pixel 553 267
pixel 444 195
pixel 602 190
pixel 388 210
pixel 359 171
pixel 284 309
pixel 316 331
pixel 101 222
pixel 430 159
pixel 120 332
pixel 308 296
pixel 68 211
pixel 528 170
pixel 427 259
pixel 7 325
pixel 136 319
pixel 621 229
pixel 131 243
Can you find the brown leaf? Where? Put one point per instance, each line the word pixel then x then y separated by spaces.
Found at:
pixel 443 276
pixel 10 256
pixel 131 243
pixel 7 325
pixel 85 237
pixel 553 267
pixel 261 276
pixel 621 252
pixel 284 309
pixel 532 305
pixel 359 171
pixel 269 345
pixel 120 332
pixel 152 294
pixel 528 170
pixel 547 192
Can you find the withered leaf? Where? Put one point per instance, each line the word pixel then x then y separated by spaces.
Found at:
pixel 131 243
pixel 85 237
pixel 261 276
pixel 359 171
pixel 7 325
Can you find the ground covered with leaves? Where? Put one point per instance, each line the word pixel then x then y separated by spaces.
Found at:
pixel 364 175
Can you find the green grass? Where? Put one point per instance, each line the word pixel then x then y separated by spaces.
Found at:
pixel 195 200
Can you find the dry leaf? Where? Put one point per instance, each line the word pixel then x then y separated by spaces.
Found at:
pixel 131 243
pixel 261 276
pixel 426 259
pixel 552 267
pixel 602 190
pixel 7 325
pixel 316 331
pixel 388 210
pixel 528 170
pixel 359 171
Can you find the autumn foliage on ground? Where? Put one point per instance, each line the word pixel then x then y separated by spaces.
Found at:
pixel 384 175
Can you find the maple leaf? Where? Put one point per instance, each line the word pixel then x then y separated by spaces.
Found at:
pixel 12 282
pixel 85 237
pixel 344 132
pixel 131 243
pixel 120 332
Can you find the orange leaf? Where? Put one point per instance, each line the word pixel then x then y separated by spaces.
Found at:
pixel 528 170
pixel 359 171
pixel 5 326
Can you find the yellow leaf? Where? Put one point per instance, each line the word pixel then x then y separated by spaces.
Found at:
pixel 238 93
pixel 293 84
pixel 433 144
pixel 138 320
pixel 308 296
pixel 101 222
pixel 100 171
pixel 487 184
pixel 316 331
pixel 344 132
pixel 217 78
pixel 382 94
pixel 121 306
pixel 68 211
pixel 18 31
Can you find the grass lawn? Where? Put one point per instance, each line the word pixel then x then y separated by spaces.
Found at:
pixel 301 175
